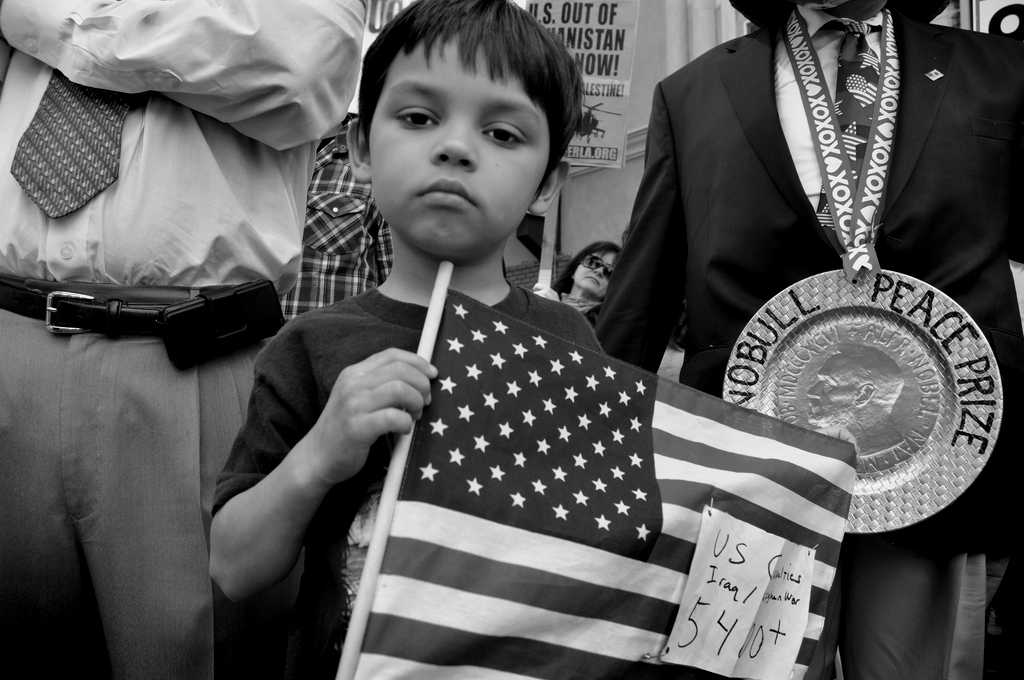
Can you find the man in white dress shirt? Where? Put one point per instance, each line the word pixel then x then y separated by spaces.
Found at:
pixel 108 451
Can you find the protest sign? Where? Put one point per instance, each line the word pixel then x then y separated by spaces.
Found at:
pixel 602 37
pixel 1000 17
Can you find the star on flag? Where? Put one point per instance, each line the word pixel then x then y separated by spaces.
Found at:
pixel 569 448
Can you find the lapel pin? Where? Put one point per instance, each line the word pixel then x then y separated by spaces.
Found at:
pixel 934 74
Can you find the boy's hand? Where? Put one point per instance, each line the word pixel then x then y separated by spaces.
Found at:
pixel 384 393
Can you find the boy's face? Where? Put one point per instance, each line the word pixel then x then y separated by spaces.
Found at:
pixel 455 158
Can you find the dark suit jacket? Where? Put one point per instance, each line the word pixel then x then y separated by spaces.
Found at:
pixel 721 220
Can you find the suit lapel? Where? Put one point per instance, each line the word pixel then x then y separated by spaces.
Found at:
pixel 750 84
pixel 922 50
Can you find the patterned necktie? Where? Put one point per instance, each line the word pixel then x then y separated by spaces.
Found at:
pixel 856 91
pixel 71 149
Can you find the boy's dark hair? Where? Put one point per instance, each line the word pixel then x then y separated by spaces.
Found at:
pixel 513 45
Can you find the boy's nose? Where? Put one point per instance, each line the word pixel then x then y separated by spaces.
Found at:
pixel 454 149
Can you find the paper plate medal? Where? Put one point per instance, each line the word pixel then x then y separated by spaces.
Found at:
pixel 894 360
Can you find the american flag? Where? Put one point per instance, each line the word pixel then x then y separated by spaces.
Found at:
pixel 551 504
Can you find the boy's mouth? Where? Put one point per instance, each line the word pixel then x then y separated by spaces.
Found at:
pixel 448 186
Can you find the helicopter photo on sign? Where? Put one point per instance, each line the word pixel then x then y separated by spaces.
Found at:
pixel 602 37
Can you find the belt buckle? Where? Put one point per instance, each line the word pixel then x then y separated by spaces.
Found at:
pixel 51 308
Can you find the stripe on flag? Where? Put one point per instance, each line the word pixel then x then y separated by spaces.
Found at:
pixel 486 539
pixel 390 668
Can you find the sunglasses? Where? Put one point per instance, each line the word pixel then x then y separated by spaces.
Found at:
pixel 594 263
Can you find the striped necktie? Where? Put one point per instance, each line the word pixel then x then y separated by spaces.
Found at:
pixel 71 149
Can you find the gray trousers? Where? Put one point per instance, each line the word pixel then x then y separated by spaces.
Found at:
pixel 108 460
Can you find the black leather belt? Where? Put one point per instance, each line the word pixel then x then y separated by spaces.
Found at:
pixel 196 324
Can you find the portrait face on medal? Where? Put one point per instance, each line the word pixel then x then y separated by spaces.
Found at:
pixel 856 388
pixel 870 377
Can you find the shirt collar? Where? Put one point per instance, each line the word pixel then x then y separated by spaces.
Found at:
pixel 815 19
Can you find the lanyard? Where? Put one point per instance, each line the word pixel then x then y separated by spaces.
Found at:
pixel 855 209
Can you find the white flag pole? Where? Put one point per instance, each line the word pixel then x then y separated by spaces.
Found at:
pixel 389 496
pixel 545 272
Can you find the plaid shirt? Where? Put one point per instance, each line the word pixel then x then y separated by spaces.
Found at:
pixel 346 244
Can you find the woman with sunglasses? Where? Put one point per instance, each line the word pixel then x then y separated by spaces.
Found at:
pixel 584 280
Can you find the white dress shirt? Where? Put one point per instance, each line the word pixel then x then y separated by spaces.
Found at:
pixel 214 168
pixel 787 92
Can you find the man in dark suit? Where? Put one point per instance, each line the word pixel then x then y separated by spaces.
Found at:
pixel 725 218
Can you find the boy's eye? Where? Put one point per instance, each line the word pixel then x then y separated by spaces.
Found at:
pixel 416 118
pixel 504 136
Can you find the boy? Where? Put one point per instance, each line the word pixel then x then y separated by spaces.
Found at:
pixel 467 107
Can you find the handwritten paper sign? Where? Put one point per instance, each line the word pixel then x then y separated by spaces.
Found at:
pixel 745 604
